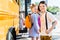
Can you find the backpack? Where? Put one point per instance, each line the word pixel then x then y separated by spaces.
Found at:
pixel 39 22
pixel 28 22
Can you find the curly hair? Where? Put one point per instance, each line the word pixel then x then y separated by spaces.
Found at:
pixel 32 5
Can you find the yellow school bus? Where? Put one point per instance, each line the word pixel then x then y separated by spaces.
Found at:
pixel 9 16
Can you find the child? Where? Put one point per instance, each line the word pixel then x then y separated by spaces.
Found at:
pixel 34 31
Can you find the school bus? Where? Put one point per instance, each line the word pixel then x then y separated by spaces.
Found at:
pixel 9 16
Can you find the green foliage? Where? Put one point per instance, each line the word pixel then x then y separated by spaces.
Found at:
pixel 37 3
pixel 53 9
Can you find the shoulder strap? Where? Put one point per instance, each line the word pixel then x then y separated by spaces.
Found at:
pixel 46 21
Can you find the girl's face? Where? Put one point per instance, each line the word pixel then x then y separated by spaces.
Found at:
pixel 34 9
pixel 42 7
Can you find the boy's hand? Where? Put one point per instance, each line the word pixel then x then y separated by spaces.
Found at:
pixel 47 31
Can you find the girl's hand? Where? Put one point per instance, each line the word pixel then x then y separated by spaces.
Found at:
pixel 38 32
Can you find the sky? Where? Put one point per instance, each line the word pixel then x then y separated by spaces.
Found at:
pixel 49 2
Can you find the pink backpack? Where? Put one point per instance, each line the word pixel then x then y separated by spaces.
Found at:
pixel 39 22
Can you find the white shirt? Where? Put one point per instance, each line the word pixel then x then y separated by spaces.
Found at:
pixel 50 19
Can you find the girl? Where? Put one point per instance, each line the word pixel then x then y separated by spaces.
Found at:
pixel 34 31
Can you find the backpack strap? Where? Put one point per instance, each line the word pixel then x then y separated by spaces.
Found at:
pixel 46 21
